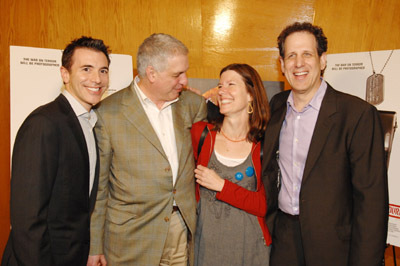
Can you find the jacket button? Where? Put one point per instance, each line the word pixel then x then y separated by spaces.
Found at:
pixel 166 219
pixel 174 191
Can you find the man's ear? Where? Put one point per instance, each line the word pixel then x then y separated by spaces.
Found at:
pixel 322 61
pixel 151 73
pixel 282 65
pixel 64 75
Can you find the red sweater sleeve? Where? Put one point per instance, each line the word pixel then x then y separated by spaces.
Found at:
pixel 252 202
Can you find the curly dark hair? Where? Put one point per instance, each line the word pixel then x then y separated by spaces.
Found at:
pixel 258 120
pixel 322 41
pixel 83 42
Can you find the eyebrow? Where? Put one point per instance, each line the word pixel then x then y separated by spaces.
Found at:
pixel 105 67
pixel 179 72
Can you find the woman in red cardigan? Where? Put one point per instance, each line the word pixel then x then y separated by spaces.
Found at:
pixel 231 228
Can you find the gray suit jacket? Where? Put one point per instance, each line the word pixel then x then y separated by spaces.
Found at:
pixel 134 203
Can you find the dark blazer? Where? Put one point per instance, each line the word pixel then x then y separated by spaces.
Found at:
pixel 50 203
pixel 344 192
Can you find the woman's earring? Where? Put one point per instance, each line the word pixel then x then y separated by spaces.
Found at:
pixel 250 108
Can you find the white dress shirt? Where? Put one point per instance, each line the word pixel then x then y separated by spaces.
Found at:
pixel 163 125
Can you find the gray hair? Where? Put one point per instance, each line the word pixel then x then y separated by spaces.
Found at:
pixel 155 51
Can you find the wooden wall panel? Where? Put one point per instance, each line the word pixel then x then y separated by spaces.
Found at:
pixel 246 32
pixel 359 25
pixel 249 37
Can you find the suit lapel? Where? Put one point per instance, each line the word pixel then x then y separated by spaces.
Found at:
pixel 321 131
pixel 93 193
pixel 273 131
pixel 134 112
pixel 75 126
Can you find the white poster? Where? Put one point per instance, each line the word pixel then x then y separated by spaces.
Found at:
pixel 349 73
pixel 35 80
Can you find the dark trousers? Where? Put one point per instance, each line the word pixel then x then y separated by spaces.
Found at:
pixel 287 247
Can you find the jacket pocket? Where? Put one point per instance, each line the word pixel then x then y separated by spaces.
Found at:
pixel 120 216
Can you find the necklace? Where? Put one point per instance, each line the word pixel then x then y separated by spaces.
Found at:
pixel 375 85
pixel 233 140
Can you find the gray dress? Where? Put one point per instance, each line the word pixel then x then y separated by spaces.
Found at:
pixel 226 235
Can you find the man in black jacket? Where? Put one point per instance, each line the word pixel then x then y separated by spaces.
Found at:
pixel 54 172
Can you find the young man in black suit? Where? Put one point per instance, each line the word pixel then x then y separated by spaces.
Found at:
pixel 54 172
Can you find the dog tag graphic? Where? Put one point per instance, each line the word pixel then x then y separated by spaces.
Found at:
pixel 375 89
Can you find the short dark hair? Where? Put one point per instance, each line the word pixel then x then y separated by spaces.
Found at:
pixel 322 41
pixel 83 42
pixel 258 120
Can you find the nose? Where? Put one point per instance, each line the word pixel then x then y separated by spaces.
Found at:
pixel 183 79
pixel 222 89
pixel 95 77
pixel 299 61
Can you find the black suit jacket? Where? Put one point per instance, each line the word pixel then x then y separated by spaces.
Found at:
pixel 50 203
pixel 344 193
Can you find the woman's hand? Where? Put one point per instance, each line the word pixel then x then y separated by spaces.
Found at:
pixel 208 178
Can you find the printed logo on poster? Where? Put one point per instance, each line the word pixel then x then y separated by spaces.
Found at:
pixel 394 211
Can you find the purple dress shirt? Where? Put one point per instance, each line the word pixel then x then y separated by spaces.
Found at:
pixel 294 142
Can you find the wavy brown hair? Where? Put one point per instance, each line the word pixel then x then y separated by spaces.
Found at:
pixel 259 118
pixel 322 41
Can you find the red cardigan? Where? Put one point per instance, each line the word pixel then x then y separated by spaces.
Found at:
pixel 253 202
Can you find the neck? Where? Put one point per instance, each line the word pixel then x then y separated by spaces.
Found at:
pixel 87 106
pixel 145 86
pixel 302 99
pixel 235 128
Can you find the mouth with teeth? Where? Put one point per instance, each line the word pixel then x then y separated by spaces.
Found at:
pixel 94 89
pixel 226 101
pixel 301 73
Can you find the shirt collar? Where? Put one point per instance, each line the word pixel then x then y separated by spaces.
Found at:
pixel 78 109
pixel 146 100
pixel 76 106
pixel 316 101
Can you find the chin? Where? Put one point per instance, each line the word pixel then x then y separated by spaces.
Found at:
pixel 223 111
pixel 95 101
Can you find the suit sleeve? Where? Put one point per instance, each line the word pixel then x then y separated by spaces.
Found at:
pixel 370 191
pixel 99 213
pixel 201 113
pixel 34 168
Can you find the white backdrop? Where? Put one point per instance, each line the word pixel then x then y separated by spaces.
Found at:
pixel 35 80
pixel 348 72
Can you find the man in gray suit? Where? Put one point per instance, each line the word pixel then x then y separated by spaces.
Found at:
pixel 145 211
pixel 54 171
